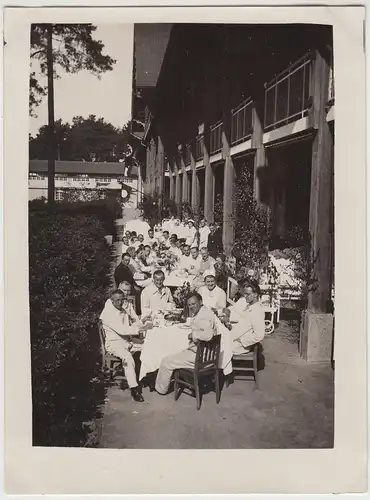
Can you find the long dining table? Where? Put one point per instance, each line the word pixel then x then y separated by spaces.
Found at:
pixel 163 341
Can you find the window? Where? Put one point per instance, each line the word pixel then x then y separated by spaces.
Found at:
pixel 103 179
pixel 61 177
pixel 58 195
pixel 36 177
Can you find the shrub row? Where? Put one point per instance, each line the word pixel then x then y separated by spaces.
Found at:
pixel 69 263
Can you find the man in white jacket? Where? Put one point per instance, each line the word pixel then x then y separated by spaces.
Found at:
pixel 119 328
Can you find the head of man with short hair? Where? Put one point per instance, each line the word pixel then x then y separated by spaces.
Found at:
pixel 126 258
pixel 147 250
pixel 195 302
pixel 125 240
pixel 158 279
pixel 133 233
pixel 140 238
pixel 166 235
pixel 125 288
pixel 131 251
pixel 151 233
pixel 117 299
pixel 204 253
pixel 173 239
pixel 210 281
pixel 250 290
pixel 194 252
pixel 186 250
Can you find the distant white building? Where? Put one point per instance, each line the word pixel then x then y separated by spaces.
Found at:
pixel 107 177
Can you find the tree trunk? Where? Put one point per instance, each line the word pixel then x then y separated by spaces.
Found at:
pixel 51 124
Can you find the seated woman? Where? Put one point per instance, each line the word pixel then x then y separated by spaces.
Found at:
pixel 213 296
pixel 250 316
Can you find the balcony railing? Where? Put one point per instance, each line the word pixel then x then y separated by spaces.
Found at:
pixel 241 122
pixel 287 97
pixel 199 148
pixel 187 154
pixel 215 138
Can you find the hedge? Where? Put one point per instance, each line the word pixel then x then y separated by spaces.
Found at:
pixel 69 274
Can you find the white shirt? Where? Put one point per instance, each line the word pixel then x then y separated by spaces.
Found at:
pixel 237 309
pixel 191 236
pixel 207 265
pixel 195 265
pixel 150 241
pixel 153 299
pixel 176 251
pixel 185 262
pixel 124 248
pixel 116 324
pixel 215 298
pixel 203 236
pixel 251 327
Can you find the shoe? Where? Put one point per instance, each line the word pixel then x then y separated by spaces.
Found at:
pixel 136 395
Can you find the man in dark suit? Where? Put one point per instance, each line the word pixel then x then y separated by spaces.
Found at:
pixel 124 273
pixel 215 245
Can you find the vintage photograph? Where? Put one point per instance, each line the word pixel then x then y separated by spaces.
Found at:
pixel 181 235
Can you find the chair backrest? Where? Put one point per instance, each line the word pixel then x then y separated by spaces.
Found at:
pixel 232 288
pixel 101 335
pixel 131 298
pixel 208 353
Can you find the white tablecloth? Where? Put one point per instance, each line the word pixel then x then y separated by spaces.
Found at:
pixel 165 341
pixel 176 280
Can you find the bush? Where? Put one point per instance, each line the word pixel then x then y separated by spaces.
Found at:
pixel 69 275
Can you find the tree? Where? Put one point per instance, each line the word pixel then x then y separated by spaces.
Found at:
pixel 74 49
pixel 85 139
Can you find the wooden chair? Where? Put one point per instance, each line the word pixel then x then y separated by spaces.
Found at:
pixel 206 363
pixel 109 362
pixel 250 361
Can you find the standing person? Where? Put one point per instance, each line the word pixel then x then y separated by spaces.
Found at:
pixel 215 245
pixel 123 272
pixel 191 238
pixel 203 327
pixel 118 333
pixel 203 233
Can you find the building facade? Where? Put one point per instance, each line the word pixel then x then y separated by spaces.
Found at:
pixel 256 97
pixel 108 178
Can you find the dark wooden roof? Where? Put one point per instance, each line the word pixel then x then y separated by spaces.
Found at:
pixel 80 167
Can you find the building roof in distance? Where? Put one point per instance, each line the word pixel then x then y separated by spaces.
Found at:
pixel 81 167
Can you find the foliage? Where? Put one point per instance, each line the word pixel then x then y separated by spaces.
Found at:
pixel 69 264
pixel 180 295
pixel 105 210
pixel 85 139
pixel 74 49
pixel 252 229
pixel 149 207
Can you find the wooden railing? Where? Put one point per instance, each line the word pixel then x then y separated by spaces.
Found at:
pixel 187 154
pixel 216 138
pixel 241 122
pixel 287 97
pixel 199 148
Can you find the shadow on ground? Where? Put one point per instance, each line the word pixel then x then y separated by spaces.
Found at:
pixel 294 408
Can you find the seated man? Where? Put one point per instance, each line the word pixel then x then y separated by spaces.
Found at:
pixel 127 305
pixel 123 271
pixel 150 239
pixel 125 244
pixel 213 296
pixel 155 296
pixel 250 328
pixel 203 327
pixel 173 246
pixel 195 261
pixel 186 259
pixel 207 262
pixel 165 239
pixel 118 332
pixel 150 256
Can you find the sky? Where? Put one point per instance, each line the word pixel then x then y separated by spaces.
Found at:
pixel 84 94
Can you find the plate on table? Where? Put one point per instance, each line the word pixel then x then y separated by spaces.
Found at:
pixel 184 327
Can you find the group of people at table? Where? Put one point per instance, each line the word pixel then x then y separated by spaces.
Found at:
pixel 132 326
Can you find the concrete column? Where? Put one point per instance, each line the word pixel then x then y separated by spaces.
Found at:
pixel 260 159
pixel 177 186
pixel 172 183
pixel 317 332
pixel 160 174
pixel 208 179
pixel 195 189
pixel 185 186
pixel 228 229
